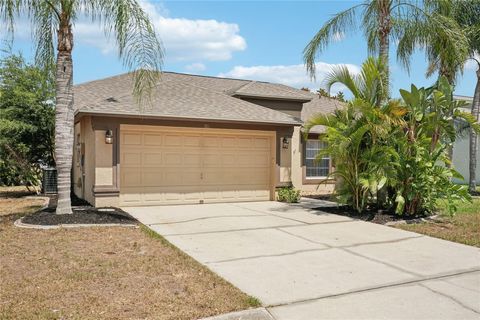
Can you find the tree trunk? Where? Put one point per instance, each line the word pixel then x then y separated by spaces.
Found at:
pixel 473 137
pixel 64 114
pixel 384 36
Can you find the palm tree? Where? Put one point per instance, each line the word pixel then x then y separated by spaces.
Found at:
pixel 450 37
pixel 440 35
pixel 468 16
pixel 381 21
pixel 353 133
pixel 52 21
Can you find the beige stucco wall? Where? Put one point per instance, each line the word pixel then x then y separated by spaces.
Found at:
pixel 103 160
pixel 76 169
pixel 285 167
pixel 297 168
pixel 89 165
pixel 101 164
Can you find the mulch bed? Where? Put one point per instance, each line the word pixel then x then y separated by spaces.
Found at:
pixel 371 214
pixel 83 213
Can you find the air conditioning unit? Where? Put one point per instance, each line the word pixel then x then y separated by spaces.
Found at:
pixel 49 181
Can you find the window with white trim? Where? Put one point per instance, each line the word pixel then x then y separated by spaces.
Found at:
pixel 314 168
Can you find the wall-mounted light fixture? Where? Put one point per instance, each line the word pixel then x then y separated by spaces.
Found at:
pixel 285 143
pixel 109 137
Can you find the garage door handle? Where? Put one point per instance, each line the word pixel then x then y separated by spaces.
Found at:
pixel 201 176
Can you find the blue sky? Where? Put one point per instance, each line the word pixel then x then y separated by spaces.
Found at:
pixel 261 40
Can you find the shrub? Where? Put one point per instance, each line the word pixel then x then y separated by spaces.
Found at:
pixel 394 154
pixel 289 195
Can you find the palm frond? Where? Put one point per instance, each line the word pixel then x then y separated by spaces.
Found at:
pixel 339 24
pixel 138 45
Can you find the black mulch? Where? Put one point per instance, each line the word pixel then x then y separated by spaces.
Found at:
pixel 370 214
pixel 83 213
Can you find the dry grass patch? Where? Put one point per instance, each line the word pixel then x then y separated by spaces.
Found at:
pixel 464 227
pixel 103 273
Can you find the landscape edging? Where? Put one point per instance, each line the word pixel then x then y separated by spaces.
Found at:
pixel 20 224
pixel 46 201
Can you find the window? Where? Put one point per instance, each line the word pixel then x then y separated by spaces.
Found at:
pixel 316 169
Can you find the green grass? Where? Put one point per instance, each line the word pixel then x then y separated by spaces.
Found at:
pixel 463 227
pixel 253 302
pixel 463 207
pixel 249 300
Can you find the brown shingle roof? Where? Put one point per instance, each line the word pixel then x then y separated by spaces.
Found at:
pixel 318 105
pixel 176 96
pixel 272 91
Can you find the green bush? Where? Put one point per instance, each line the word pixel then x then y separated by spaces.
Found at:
pixel 393 154
pixel 289 195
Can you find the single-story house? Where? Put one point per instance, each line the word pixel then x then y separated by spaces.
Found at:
pixel 200 140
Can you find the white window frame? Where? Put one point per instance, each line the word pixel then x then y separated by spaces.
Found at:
pixel 319 142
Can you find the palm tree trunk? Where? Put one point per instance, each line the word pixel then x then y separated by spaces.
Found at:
pixel 64 114
pixel 384 36
pixel 473 136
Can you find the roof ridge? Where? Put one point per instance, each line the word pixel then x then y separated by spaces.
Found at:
pixel 227 95
pixel 232 91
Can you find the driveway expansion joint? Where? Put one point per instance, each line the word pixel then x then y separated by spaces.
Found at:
pixel 221 231
pixel 368 289
pixel 450 298
pixel 206 218
pixel 268 255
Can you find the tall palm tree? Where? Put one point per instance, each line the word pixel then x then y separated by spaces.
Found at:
pixel 440 35
pixel 381 21
pixel 468 16
pixel 450 37
pixel 52 22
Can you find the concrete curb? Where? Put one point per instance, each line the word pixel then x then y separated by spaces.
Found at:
pixel 20 224
pixel 250 314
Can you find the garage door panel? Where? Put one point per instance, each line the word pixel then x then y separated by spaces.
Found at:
pixel 131 177
pixel 192 159
pixel 163 167
pixel 129 159
pixel 152 159
pixel 261 143
pixel 150 139
pixel 132 139
pixel 210 141
pixel 244 142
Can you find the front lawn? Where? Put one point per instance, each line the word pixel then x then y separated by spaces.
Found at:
pixel 102 273
pixel 464 227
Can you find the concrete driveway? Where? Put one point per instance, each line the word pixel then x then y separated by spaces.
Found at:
pixel 306 264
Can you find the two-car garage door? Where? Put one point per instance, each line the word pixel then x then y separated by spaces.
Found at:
pixel 162 165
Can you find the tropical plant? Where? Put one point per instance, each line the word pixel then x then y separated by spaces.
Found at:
pixel 392 155
pixel 26 121
pixel 289 195
pixel 356 133
pixel 381 21
pixel 424 177
pixel 52 26
pixel 450 35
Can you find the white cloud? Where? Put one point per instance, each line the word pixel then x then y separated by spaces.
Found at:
pixel 292 75
pixel 472 64
pixel 195 67
pixel 183 39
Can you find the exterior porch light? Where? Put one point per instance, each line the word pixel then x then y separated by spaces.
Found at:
pixel 285 143
pixel 109 137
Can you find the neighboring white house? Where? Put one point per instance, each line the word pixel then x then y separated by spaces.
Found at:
pixel 461 149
